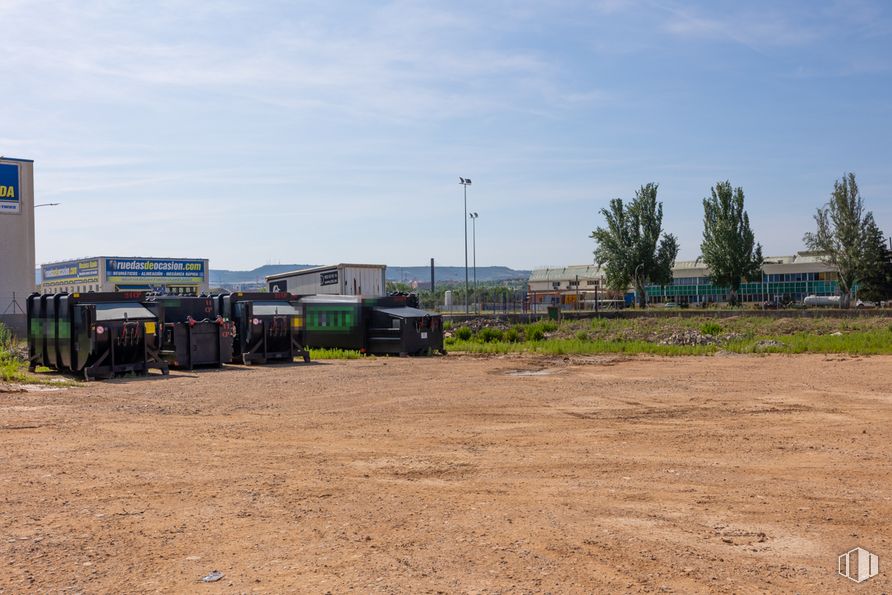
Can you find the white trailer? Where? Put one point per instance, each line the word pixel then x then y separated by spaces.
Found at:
pixel 336 279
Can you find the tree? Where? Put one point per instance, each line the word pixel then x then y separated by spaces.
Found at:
pixel 842 236
pixel 397 286
pixel 729 246
pixel 876 283
pixel 633 248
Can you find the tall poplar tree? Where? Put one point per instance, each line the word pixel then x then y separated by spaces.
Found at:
pixel 729 246
pixel 843 236
pixel 632 248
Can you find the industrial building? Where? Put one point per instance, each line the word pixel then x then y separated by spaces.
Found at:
pixel 784 278
pixel 16 239
pixel 337 279
pixel 171 276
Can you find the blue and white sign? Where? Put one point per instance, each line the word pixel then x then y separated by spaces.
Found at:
pixel 10 196
pixel 123 270
pixel 73 271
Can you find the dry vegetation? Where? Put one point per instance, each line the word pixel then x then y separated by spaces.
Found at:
pixel 678 336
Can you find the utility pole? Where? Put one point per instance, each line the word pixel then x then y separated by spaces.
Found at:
pixel 433 287
pixel 473 217
pixel 466 182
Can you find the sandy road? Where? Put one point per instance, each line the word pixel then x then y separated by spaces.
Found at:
pixel 456 474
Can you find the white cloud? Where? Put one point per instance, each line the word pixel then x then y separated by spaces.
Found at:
pixel 753 27
pixel 408 61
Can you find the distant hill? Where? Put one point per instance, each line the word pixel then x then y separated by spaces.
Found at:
pixel 445 274
pixel 223 277
pixel 220 277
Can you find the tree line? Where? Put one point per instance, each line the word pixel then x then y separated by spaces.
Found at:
pixel 633 249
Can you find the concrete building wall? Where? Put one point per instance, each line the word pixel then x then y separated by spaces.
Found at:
pixel 785 277
pixel 16 236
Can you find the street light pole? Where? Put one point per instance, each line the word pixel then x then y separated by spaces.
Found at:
pixel 473 217
pixel 466 182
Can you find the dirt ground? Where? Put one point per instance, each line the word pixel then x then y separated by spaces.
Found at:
pixel 454 474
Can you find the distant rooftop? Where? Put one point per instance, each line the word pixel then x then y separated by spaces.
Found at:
pixel 591 271
pixel 327 267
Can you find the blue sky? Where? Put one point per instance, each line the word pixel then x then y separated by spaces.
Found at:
pixel 317 132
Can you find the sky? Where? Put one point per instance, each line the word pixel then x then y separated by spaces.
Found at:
pixel 318 132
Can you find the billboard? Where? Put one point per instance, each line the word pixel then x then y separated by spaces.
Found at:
pixel 162 270
pixel 71 272
pixel 10 197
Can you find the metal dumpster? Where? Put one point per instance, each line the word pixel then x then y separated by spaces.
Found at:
pixel 193 332
pixel 394 327
pixel 386 325
pixel 334 322
pixel 99 335
pixel 268 327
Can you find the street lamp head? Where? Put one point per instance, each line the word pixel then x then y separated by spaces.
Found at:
pixel 48 204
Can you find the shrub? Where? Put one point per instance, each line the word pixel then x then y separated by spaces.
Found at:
pixel 548 326
pixel 463 333
pixel 710 328
pixel 582 336
pixel 6 340
pixel 512 335
pixel 10 366
pixel 535 333
pixel 490 335
pixel 599 324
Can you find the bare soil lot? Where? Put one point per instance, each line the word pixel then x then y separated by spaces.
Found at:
pixel 454 474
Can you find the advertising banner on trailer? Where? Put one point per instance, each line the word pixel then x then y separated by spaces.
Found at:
pixel 72 272
pixel 145 270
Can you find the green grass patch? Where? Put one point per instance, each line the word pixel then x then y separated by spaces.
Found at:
pixel 578 347
pixel 334 354
pixel 710 327
pixel 490 335
pixel 463 333
pixel 876 340
pixel 512 335
pixel 11 367
pixel 14 369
